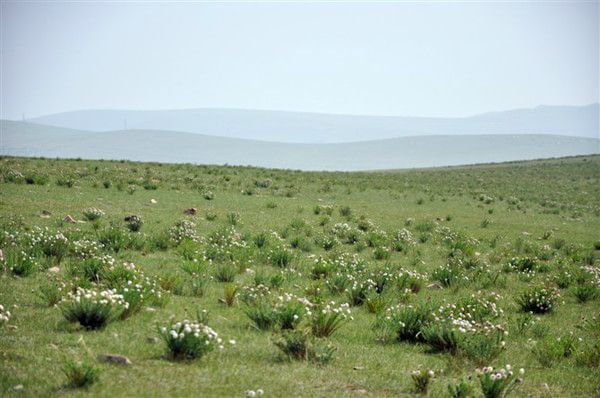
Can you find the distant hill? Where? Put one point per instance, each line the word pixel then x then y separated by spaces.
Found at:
pixel 300 127
pixel 28 139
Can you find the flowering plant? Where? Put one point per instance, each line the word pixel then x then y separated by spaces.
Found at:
pixel 326 319
pixel 190 340
pixel 93 308
pixel 498 383
pixel 421 379
pixel 92 214
pixel 538 300
pixel 4 315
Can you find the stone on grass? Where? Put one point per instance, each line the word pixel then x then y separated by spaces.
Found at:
pixel 434 285
pixel 113 358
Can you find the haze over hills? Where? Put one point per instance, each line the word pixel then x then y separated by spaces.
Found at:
pixel 28 139
pixel 302 127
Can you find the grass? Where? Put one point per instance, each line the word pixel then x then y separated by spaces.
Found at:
pixel 547 211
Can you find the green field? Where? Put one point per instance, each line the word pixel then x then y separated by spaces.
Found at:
pixel 268 244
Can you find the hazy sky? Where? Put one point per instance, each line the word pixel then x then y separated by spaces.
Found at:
pixel 417 58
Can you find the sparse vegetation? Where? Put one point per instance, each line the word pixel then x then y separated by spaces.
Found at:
pixel 372 275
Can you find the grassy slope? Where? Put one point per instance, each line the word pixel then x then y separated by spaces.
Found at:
pixel 33 353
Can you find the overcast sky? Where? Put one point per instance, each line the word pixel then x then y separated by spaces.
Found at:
pixel 413 59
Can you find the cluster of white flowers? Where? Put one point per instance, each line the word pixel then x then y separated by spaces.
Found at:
pixel 23 260
pixel 43 237
pixel 108 297
pixel 250 294
pixel 341 229
pixel 404 273
pixel 139 284
pixel 501 374
pixel 85 248
pixel 184 229
pixel 92 213
pixel 4 315
pixel 254 393
pixel 194 330
pixel 594 271
pixel 332 308
pixel 360 284
pixel 430 373
pixel 473 314
pixel 405 236
pixel 222 245
pixel 539 299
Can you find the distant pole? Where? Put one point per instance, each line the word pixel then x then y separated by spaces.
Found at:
pixel 23 117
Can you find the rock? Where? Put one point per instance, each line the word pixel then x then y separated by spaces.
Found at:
pixel 54 270
pixel 1 255
pixel 150 309
pixel 45 214
pixel 152 340
pixel 434 285
pixel 18 387
pixel 131 218
pixel 192 211
pixel 358 368
pixel 113 358
pixel 153 201
pixel 69 219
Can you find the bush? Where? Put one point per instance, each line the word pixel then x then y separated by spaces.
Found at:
pixel 326 319
pixel 225 272
pixel 262 314
pixel 442 338
pixel 93 309
pixel 233 218
pixel 113 239
pixel 538 300
pixel 460 390
pixel 421 379
pixel 296 344
pixel 498 383
pixel 406 322
pixel 345 211
pixel 20 263
pixel 230 291
pixel 51 292
pixel 585 292
pixel 134 223
pixel 189 340
pixel 482 347
pixel 280 257
pixel 80 374
pixel 92 214
pixel 448 275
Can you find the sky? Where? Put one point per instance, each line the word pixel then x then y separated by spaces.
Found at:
pixel 382 58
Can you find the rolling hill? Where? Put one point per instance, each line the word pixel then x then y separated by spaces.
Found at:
pixel 300 127
pixel 28 139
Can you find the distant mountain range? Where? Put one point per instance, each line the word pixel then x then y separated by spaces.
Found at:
pixel 30 139
pixel 300 127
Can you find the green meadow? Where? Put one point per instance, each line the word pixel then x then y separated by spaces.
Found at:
pixel 318 284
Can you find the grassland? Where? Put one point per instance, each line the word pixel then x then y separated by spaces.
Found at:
pixel 373 240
